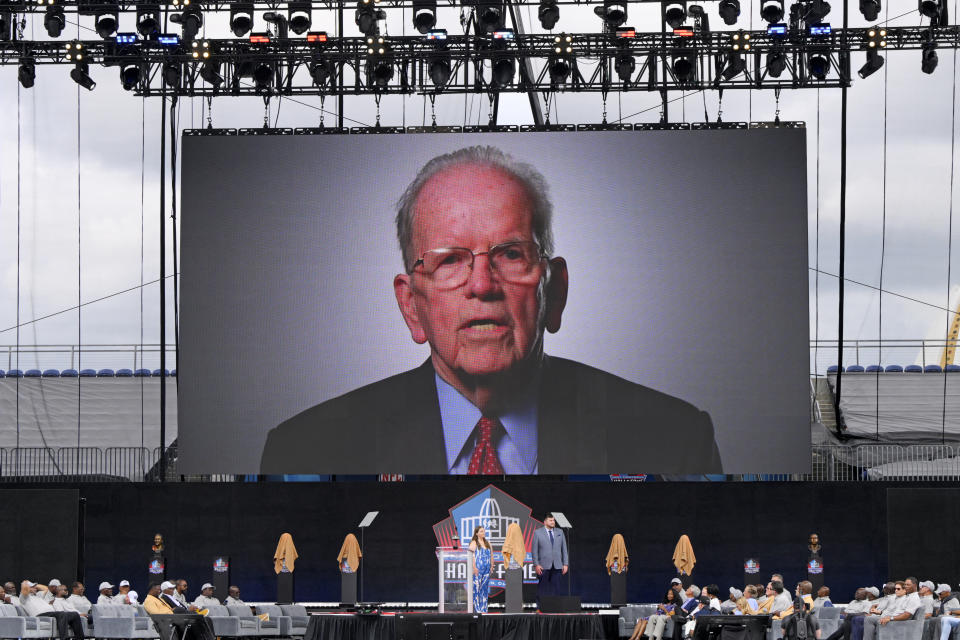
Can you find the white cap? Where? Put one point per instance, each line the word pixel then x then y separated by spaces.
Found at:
pixel 872 591
pixel 676 581
pixel 133 596
pixel 928 584
pixel 104 585
pixel 207 585
pixel 31 584
pixel 167 585
pixel 943 587
pixel 54 583
pixel 124 583
pixel 736 593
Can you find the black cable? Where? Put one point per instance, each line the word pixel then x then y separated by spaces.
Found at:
pixel 953 131
pixel 843 218
pixel 163 288
pixel 17 380
pixel 143 156
pixel 816 254
pixel 79 281
pixel 883 243
pixel 174 121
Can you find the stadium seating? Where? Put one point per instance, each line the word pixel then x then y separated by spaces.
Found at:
pixel 124 373
pixel 932 368
pixel 14 623
pixel 15 373
pixel 298 618
pixel 51 373
pixel 855 368
pixel 894 368
pixel 156 373
pixel 834 368
pixel 913 368
pixel 69 373
pixel 106 373
pixel 121 621
pixel 141 373
pixel 874 368
pixel 88 373
pixel 277 624
pixel 32 373
pixel 230 626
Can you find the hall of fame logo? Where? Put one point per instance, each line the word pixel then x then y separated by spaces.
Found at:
pixel 156 567
pixel 220 565
pixel 494 510
pixel 751 566
pixel 814 566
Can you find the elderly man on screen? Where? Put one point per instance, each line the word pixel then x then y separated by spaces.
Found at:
pixel 482 286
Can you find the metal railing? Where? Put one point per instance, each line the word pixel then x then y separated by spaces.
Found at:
pixel 823 353
pixel 92 356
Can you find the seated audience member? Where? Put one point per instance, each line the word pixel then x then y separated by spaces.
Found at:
pixel 153 604
pixel 927 600
pixel 904 606
pixel 743 605
pixel 189 624
pixel 62 603
pixel 692 599
pixel 703 609
pixel 125 594
pixel 823 598
pixel 646 626
pixel 181 594
pixel 714 592
pixel 947 602
pixel 750 593
pixel 885 600
pixel 858 607
pixel 51 593
pixel 769 597
pixel 106 594
pixel 781 600
pixel 950 614
pixel 68 622
pixel 803 593
pixel 730 604
pixel 233 597
pixel 78 600
pixel 9 595
pixel 677 585
pixel 206 599
pixel 169 596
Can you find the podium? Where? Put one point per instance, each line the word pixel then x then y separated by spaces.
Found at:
pixel 455 580
pixel 618 588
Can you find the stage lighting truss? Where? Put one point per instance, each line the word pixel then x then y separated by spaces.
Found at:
pixel 783 57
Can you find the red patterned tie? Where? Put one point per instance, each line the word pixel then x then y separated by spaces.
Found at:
pixel 484 459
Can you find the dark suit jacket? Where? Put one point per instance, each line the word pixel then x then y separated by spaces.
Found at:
pixel 590 422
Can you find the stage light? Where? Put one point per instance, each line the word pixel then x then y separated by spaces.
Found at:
pixel 625 65
pixel 367 16
pixel 299 16
pixel 873 63
pixel 776 63
pixel 129 76
pixel 210 72
pixel 75 51
pixel 729 11
pixel 734 67
pixel 439 68
pixel 771 10
pixel 200 49
pixel 190 20
pixel 613 12
pixel 6 23
pixel 148 19
pixel 818 65
pixel 27 72
pixel 675 14
pixel 172 74
pixel 379 61
pixel 241 18
pixel 503 70
pixel 683 67
pixel 817 10
pixel 548 14
pixel 930 8
pixel 741 41
pixel 54 20
pixel 424 15
pixel 106 20
pixel 490 16
pixel 263 76
pixel 321 70
pixel 559 64
pixel 928 53
pixel 81 75
pixel 870 9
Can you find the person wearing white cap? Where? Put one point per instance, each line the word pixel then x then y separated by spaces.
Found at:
pixel 68 622
pixel 947 602
pixel 730 604
pixel 51 591
pixel 206 599
pixel 927 600
pixel 125 595
pixel 106 594
pixel 169 596
pixel 78 600
pixel 904 607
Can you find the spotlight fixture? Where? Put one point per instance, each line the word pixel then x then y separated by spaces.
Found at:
pixel 439 68
pixel 172 74
pixel 424 15
pixel 106 20
pixel 241 18
pixel 928 53
pixel 27 72
pixel 54 20
pixel 367 16
pixel 6 23
pixel 200 49
pixel 817 10
pixel 675 14
pixel 734 67
pixel 129 76
pixel 741 41
pixel 729 11
pixel 930 8
pixel 548 14
pixel 321 70
pixel 148 19
pixel 560 63
pixel 210 72
pixel 818 65
pixel 190 19
pixel 81 74
pixel 873 63
pixel 771 10
pixel 776 63
pixel 613 12
pixel 263 76
pixel 379 61
pixel 503 70
pixel 870 9
pixel 491 16
pixel 683 66
pixel 75 51
pixel 298 16
pixel 625 65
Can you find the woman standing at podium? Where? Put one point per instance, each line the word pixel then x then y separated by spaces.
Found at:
pixel 482 558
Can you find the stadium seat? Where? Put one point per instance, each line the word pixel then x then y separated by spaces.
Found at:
pixel 913 368
pixel 228 626
pixel 33 373
pixel 173 372
pixel 3 374
pixel 855 368
pixel 51 373
pixel 141 373
pixel 14 623
pixel 14 373
pixel 156 372
pixel 68 373
pixel 874 368
pixel 894 368
pixel 951 368
pixel 263 628
pixel 277 624
pixel 903 630
pixel 124 373
pixel 932 368
pixel 88 373
pixel 834 368
pixel 298 618
pixel 121 621
pixel 106 373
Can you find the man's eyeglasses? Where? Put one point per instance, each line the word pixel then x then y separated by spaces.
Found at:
pixel 450 267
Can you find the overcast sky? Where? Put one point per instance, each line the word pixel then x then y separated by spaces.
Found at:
pixel 114 136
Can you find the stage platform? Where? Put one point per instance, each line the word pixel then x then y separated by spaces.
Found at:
pixel 462 626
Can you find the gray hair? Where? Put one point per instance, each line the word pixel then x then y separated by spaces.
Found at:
pixel 695 590
pixel 532 181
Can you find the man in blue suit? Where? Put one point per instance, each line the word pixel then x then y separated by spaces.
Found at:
pixel 549 557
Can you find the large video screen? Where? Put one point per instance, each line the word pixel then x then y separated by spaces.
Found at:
pixel 499 303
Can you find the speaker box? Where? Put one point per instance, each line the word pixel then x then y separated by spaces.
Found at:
pixel 560 604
